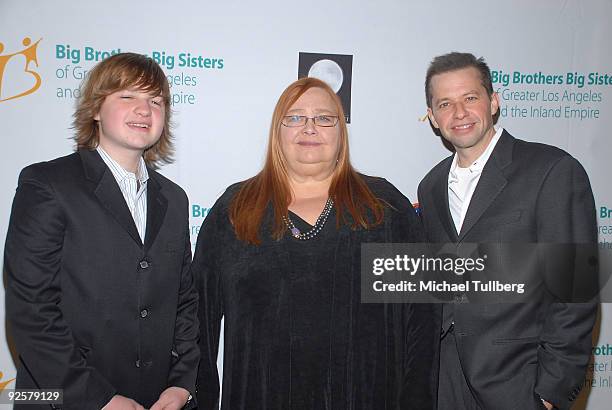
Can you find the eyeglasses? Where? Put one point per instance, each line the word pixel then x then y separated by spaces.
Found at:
pixel 301 120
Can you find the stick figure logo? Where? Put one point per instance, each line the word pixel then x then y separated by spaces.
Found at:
pixel 29 54
pixel 4 383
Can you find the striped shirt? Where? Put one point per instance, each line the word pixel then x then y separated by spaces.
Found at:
pixel 133 187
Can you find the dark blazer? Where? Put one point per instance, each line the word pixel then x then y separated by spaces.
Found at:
pixel 92 309
pixel 527 192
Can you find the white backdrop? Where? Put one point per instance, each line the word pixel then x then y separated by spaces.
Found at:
pixel 222 113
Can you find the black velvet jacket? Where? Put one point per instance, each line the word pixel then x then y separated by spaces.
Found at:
pixel 296 335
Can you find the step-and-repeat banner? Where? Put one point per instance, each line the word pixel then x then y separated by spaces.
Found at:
pixel 228 62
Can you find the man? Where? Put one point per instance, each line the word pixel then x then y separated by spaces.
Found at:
pixel 99 297
pixel 496 188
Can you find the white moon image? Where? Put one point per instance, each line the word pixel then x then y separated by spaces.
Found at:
pixel 328 71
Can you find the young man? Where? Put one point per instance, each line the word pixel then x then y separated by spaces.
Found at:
pixel 99 297
pixel 499 189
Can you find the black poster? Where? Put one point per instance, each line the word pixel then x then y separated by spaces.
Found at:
pixel 335 69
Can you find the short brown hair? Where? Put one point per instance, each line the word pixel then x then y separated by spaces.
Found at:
pixel 115 73
pixel 350 193
pixel 457 61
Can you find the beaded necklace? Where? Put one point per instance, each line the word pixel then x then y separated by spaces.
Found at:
pixel 329 204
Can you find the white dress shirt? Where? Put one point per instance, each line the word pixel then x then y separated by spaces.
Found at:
pixel 462 182
pixel 133 187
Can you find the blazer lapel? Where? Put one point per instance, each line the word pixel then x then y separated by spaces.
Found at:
pixel 440 196
pixel 491 183
pixel 108 192
pixel 157 204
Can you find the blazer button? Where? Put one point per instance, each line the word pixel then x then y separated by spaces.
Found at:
pixel 144 313
pixel 144 264
pixel 137 363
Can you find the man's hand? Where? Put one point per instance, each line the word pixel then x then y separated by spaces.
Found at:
pixel 122 403
pixel 548 405
pixel 173 398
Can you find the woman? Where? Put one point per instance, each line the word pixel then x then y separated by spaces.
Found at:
pixel 279 258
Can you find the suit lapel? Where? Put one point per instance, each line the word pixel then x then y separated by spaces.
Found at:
pixel 157 204
pixel 491 183
pixel 440 196
pixel 108 192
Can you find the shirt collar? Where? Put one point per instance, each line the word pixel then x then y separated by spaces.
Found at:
pixel 480 162
pixel 142 174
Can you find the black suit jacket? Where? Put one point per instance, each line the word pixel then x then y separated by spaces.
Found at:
pixel 92 309
pixel 527 192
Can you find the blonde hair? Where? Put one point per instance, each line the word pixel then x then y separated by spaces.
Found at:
pixel 349 191
pixel 119 72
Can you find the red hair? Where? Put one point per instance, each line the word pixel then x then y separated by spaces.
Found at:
pixel 270 186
